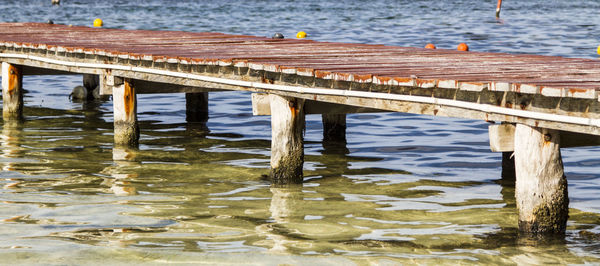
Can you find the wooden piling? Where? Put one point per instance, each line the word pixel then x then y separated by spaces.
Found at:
pixel 127 132
pixel 508 162
pixel 90 81
pixel 334 128
pixel 12 92
pixel 508 167
pixel 287 142
pixel 196 107
pixel 541 186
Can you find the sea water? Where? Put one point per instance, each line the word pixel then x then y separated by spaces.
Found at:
pixel 406 188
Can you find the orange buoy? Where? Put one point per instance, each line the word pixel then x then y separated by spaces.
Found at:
pixel 462 47
pixel 430 46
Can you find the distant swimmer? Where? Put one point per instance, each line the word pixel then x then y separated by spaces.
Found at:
pixel 55 2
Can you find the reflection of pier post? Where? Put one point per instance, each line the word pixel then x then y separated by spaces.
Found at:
pixel 121 185
pixel 11 136
pixel 285 206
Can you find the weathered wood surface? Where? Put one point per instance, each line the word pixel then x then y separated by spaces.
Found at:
pixel 127 132
pixel 287 140
pixel 541 186
pixel 501 87
pixel 361 63
pixel 12 92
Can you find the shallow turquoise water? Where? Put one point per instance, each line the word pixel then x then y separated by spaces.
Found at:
pixel 411 189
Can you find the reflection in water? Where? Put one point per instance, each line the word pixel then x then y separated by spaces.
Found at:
pixel 197 129
pixel 405 189
pixel 122 172
pixel 285 206
pixel 11 139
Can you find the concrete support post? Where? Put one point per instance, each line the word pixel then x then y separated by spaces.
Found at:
pixel 127 132
pixel 541 186
pixel 287 142
pixel 334 128
pixel 196 107
pixel 12 92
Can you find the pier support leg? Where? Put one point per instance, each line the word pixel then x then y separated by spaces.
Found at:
pixel 508 167
pixel 127 131
pixel 12 92
pixel 287 144
pixel 196 107
pixel 541 186
pixel 90 89
pixel 334 128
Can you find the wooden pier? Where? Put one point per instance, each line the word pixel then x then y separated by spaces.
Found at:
pixel 536 104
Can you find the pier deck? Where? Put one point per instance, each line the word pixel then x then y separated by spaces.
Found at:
pixel 554 96
pixel 552 92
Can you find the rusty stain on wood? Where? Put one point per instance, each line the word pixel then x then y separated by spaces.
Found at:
pixel 13 79
pixel 293 109
pixel 129 99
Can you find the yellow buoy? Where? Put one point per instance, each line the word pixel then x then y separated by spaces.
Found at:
pixel 301 35
pixel 598 50
pixel 98 22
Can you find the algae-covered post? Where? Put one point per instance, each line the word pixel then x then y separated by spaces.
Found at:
pixel 12 92
pixel 287 141
pixel 541 185
pixel 127 132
